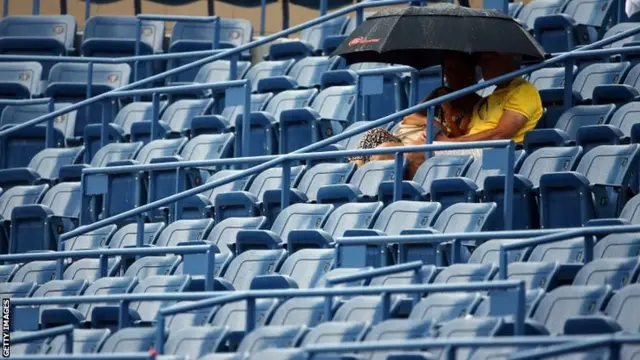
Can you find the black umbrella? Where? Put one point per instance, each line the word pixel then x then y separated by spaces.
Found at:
pixel 418 36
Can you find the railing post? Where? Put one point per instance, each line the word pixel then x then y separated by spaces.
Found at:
pixel 589 240
pixel 36 7
pixel 87 109
pixel 216 33
pixel 49 140
pixel 87 9
pixel 5 8
pixel 104 265
pixel 68 342
pixel 251 314
pixel 233 68
pixel 323 7
pixel 155 115
pixel 263 16
pixel 137 52
pixel 520 308
pixel 286 184
pixel 504 262
pixel 386 308
pixel 359 16
pixel 211 10
pixel 246 121
pixel 508 188
pixel 180 186
pixel 328 304
pixel 123 314
pixel 568 83
pixel 357 114
pixel 106 114
pixel 429 137
pixel 415 88
pixel 398 177
pixel 160 325
pixel 211 268
pixel 63 7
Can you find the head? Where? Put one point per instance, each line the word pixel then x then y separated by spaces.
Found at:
pixel 459 70
pixel 495 64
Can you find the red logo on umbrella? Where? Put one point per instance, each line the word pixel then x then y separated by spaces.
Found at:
pixel 362 40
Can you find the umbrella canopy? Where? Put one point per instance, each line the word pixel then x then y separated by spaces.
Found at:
pixel 418 36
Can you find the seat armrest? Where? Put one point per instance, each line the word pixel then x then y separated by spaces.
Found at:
pixel 496 183
pixel 275 281
pixel 122 163
pixel 18 176
pixel 275 195
pixel 290 49
pixel 210 124
pixel 258 119
pixel 410 190
pixel 338 193
pixel 142 130
pixel 108 315
pixel 614 94
pixel 60 316
pixel 33 42
pixel 554 21
pixel 599 135
pixel 301 115
pixel 338 78
pixel 257 239
pixel 564 179
pixel 166 159
pixel 72 172
pixel 539 138
pixel 363 232
pixel 276 84
pixel 607 222
pixel 442 187
pixel 222 284
pixel 308 239
pixel 591 325
pixel 30 211
pixel 234 200
pixel 556 96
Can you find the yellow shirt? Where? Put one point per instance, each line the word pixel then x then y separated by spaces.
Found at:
pixel 519 96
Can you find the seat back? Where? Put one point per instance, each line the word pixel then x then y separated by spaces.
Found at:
pixel 351 143
pixel 20 80
pixel 477 174
pixel 224 233
pixel 300 217
pixel 531 11
pixel 609 164
pixel 38 272
pixel 64 200
pixel 308 71
pixel 269 337
pixel 463 217
pixel 307 266
pixel 126 235
pixel 272 179
pixel 105 286
pixel 219 71
pixel 47 163
pixel 437 167
pixel 324 174
pixel 178 115
pixel 584 115
pixel 128 340
pixel 153 266
pixel 599 74
pixel 402 215
pixel 335 103
pixel 158 284
pixel 195 341
pixel 625 117
pixel 18 196
pixel 115 152
pixel 60 288
pixel 549 159
pixel 589 12
pixel 333 332
pixel 315 35
pixel 184 230
pixel 258 103
pixel 564 252
pixel 548 78
pixel 489 252
pixel 208 147
pixel 290 99
pixel 160 148
pixel 474 327
pixel 232 31
pixel 59 28
pixel 368 177
pixel 443 307
pixel 352 216
pixel 18 289
pixel 237 185
pixel 89 269
pixel 64 76
pixel 251 263
pixel 621 307
pixel 617 246
pixel 133 112
pixel 265 69
pixel 396 330
pixel 109 28
pixel 85 341
pixel 619 28
pixel 91 240
pixel 617 273
pixel 461 273
pixel 557 306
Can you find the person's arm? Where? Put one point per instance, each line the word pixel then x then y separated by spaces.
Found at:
pixel 510 123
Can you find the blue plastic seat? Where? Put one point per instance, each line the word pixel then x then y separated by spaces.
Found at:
pixel 142 312
pixel 115 36
pixel 594 75
pixel 489 252
pixel 68 83
pixel 89 269
pixel 329 114
pixel 267 69
pixel 7 271
pixel 234 317
pixel 85 341
pixel 36 227
pixel 533 10
pixel 617 273
pixel 526 183
pixel 305 73
pixel 54 288
pixel 184 230
pixel 80 314
pixel 129 340
pixel 604 173
pixel 630 214
pixel 474 327
pixel 581 22
pixel 120 129
pixel 18 289
pixel 621 128
pixel 175 120
pixel 617 246
pixel 30 348
pixel 311 40
pixel 571 128
pixel 44 167
pixel 264 129
pixel 126 235
pixel 395 330
pixel 226 121
pixel 461 273
pixel 351 143
pixel 335 332
pixel 495 352
pixel 38 272
pixel 398 218
pixel 569 251
pixel 203 204
pixel 195 341
pixel 248 264
pixel 153 266
pixel 442 307
pixel 219 71
pixel 249 203
pixel 33 35
pixel 12 198
pixel 550 84
pixel 163 183
pixel 565 302
pixel 537 275
pixel 119 194
pixel 19 80
pixel 460 189
pixel 419 188
pixel 198 36
pixel 268 337
pixel 314 178
pixel 108 154
pixel 363 185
